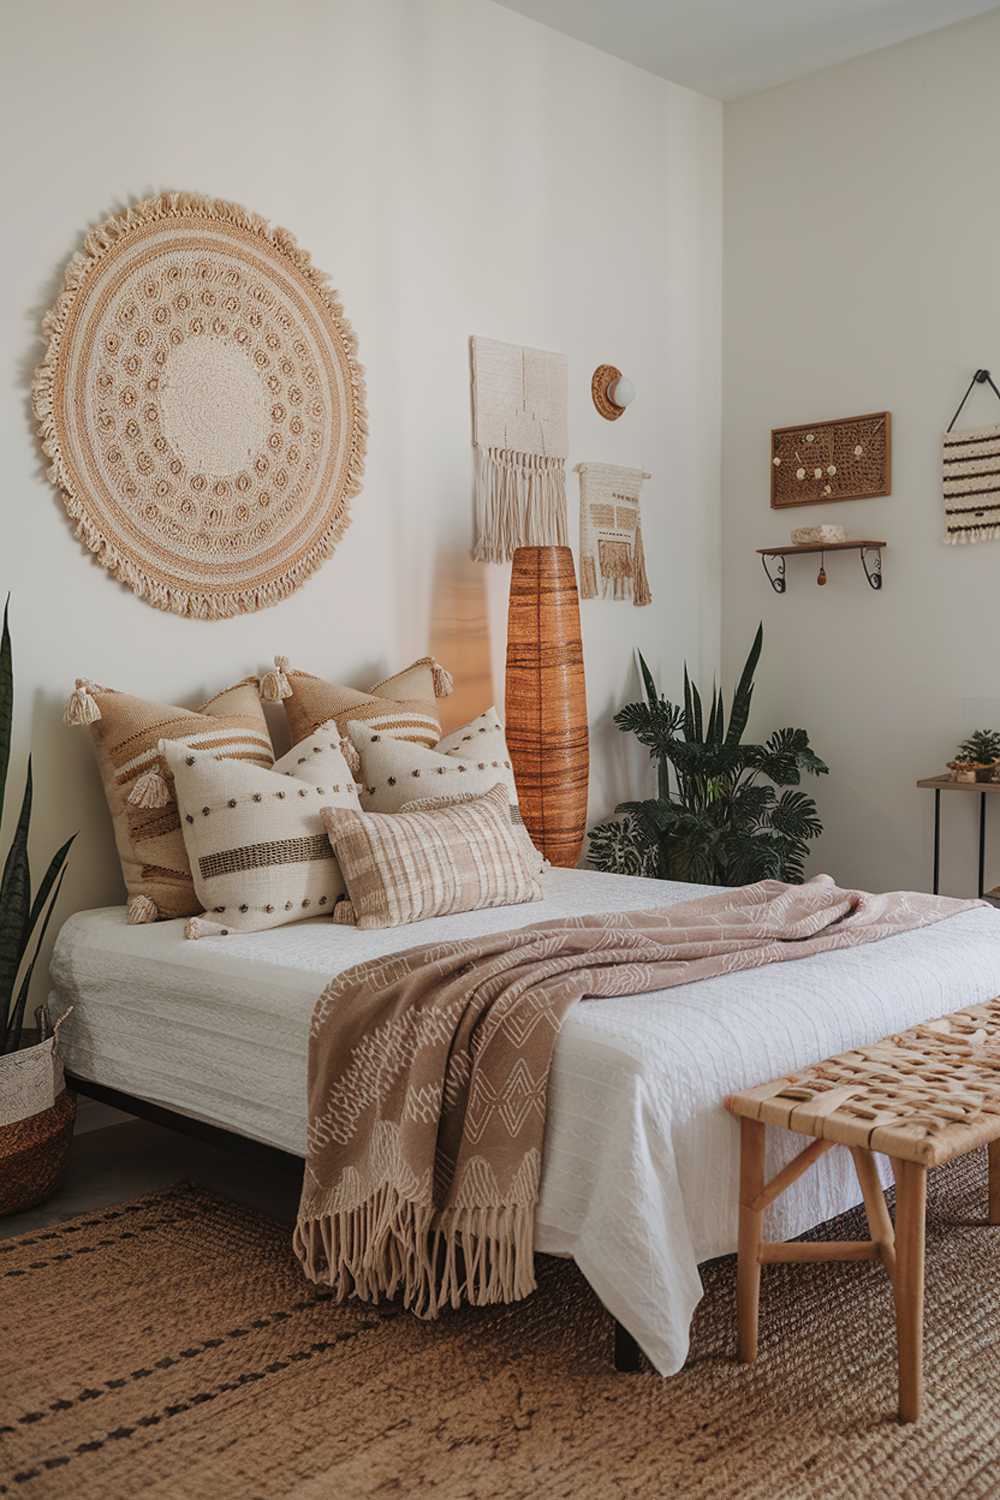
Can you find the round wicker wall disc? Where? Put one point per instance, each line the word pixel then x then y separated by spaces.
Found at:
pixel 202 406
pixel 602 381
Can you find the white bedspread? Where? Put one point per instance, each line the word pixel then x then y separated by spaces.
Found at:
pixel 640 1168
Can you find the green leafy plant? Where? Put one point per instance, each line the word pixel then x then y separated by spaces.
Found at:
pixel 23 917
pixel 981 748
pixel 726 813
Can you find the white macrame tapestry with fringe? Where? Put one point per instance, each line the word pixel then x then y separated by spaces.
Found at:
pixel 519 406
pixel 612 557
pixel 201 405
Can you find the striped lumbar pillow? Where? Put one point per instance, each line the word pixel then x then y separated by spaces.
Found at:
pixel 409 866
pixel 402 706
pixel 471 759
pixel 126 733
pixel 259 854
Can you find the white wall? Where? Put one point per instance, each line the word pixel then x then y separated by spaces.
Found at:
pixel 862 221
pixel 450 163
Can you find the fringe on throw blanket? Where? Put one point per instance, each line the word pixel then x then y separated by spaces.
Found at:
pixel 478 1255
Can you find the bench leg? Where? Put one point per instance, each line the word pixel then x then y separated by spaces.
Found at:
pixel 994 1153
pixel 879 1222
pixel 751 1219
pixel 911 1206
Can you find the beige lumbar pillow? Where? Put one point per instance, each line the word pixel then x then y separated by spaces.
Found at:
pixel 259 854
pixel 409 866
pixel 402 706
pixel 126 733
pixel 472 759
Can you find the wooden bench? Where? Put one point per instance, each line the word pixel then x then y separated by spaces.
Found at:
pixel 921 1098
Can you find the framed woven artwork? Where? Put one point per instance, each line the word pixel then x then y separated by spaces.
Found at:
pixel 850 459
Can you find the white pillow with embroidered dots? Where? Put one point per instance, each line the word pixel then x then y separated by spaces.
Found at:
pixel 471 759
pixel 259 852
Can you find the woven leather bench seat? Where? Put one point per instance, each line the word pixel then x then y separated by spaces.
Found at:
pixel 921 1097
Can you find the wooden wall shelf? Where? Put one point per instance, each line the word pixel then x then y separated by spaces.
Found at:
pixel 865 547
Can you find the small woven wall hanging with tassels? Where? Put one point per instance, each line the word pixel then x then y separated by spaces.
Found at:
pixel 612 557
pixel 970 462
pixel 519 405
pixel 201 405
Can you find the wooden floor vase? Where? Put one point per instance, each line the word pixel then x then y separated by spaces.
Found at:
pixel 546 706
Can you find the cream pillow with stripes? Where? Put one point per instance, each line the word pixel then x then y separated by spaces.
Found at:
pixel 409 866
pixel 255 839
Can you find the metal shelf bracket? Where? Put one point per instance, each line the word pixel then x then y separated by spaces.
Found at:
pixel 777 578
pixel 873 570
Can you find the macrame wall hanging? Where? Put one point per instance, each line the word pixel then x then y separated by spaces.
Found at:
pixel 202 406
pixel 612 558
pixel 970 463
pixel 519 405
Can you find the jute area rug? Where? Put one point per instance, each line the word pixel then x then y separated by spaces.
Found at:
pixel 169 1347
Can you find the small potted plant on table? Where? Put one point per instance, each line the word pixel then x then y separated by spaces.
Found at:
pixel 36 1112
pixel 977 758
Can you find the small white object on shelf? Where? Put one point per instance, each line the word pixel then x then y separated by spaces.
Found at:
pixel 810 536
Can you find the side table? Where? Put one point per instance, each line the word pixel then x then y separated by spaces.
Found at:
pixel 939 784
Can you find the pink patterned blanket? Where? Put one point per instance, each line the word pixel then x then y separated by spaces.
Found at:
pixel 428 1075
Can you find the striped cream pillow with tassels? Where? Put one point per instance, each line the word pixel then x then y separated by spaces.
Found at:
pixel 258 850
pixel 126 732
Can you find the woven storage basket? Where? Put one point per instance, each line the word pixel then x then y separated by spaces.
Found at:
pixel 36 1125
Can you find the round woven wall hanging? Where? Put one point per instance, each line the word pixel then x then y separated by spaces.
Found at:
pixel 202 406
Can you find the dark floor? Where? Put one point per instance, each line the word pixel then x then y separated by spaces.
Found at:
pixel 123 1161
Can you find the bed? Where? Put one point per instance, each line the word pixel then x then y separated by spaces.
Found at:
pixel 639 1182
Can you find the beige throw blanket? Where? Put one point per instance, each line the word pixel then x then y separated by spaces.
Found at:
pixel 428 1073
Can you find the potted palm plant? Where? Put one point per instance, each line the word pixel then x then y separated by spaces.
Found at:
pixel 726 812
pixel 36 1112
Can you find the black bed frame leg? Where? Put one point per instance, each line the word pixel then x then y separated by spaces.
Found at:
pixel 627 1357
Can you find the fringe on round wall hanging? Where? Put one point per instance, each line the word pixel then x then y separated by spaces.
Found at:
pixel 202 405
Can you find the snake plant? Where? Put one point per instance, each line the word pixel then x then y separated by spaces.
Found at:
pixel 714 820
pixel 24 917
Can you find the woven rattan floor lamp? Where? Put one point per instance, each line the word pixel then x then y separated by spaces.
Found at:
pixel 546 708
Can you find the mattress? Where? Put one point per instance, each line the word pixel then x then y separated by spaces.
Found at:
pixel 640 1166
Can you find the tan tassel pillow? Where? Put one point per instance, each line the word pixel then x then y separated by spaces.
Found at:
pixel 258 850
pixel 408 866
pixel 126 732
pixel 402 706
